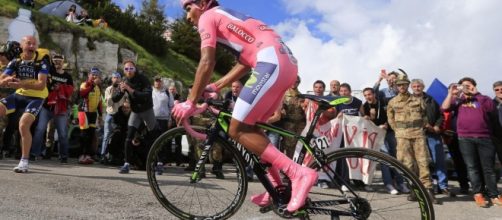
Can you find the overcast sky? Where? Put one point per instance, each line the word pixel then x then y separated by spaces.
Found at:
pixel 351 41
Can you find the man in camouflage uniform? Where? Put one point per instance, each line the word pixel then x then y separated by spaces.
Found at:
pixel 293 117
pixel 407 116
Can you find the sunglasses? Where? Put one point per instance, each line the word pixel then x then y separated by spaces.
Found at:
pixel 497 90
pixel 129 69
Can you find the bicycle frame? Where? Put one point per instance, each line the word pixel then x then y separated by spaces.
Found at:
pixel 220 128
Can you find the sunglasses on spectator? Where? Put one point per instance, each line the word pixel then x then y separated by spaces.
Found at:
pixel 497 90
pixel 129 69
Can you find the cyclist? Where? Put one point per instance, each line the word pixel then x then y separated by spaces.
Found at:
pixel 28 75
pixel 274 71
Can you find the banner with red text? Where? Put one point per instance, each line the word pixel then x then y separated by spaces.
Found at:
pixel 360 132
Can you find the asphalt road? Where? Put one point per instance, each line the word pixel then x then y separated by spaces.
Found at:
pixel 54 191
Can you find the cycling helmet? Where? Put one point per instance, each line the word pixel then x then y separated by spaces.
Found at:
pixel 184 3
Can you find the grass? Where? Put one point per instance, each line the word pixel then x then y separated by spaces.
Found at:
pixel 171 65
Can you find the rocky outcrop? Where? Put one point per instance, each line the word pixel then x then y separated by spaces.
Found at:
pixel 4 28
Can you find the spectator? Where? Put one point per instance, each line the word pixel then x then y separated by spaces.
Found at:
pixel 293 118
pixel 373 109
pixel 352 108
pixel 335 88
pixel 111 109
pixel 29 78
pixel 83 18
pixel 89 109
pixel 56 108
pixel 386 94
pixel 406 115
pixel 163 103
pixel 233 94
pixel 310 108
pixel 319 88
pixel 117 138
pixel 473 128
pixel 71 15
pixel 139 92
pixel 497 119
pixel 432 132
pixel 450 138
pixel 100 23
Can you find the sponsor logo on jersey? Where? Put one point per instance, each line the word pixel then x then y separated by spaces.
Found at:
pixel 264 28
pixel 241 33
pixel 205 36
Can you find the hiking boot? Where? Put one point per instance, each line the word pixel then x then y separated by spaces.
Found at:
pixel 433 197
pixel 159 169
pixel 448 193
pixel 480 200
pixel 22 167
pixel 124 169
pixel 497 201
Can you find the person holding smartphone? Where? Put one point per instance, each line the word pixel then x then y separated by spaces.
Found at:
pixel 473 129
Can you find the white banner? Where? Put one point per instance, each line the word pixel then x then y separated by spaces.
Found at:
pixel 360 132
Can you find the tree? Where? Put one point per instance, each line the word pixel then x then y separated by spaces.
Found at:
pixel 185 40
pixel 152 12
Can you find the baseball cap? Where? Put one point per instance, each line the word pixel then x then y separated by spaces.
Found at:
pixel 117 74
pixel 95 70
pixel 58 57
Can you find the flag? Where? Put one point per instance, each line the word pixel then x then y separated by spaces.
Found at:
pixel 438 91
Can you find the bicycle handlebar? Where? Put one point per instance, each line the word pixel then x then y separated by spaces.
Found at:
pixel 188 127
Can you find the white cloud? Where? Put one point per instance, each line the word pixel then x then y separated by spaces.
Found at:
pixel 429 39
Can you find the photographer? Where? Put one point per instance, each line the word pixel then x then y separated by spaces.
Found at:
pixel 111 108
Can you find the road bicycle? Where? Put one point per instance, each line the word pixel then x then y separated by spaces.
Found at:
pixel 199 195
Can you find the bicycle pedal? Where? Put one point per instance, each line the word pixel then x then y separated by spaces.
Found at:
pixel 266 209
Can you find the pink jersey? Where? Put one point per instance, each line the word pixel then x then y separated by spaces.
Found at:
pixel 244 35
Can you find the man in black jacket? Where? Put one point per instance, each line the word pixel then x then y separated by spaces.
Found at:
pixel 139 90
pixel 433 133
pixel 497 119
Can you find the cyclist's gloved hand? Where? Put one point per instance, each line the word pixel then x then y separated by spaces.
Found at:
pixel 211 91
pixel 183 110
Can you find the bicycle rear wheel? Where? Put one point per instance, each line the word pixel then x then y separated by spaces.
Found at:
pixel 210 197
pixel 374 200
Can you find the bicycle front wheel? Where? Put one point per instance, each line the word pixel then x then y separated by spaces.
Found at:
pixel 371 197
pixel 219 192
